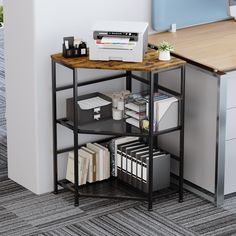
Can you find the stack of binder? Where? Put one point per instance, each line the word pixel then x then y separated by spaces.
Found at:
pixel 113 145
pixel 133 166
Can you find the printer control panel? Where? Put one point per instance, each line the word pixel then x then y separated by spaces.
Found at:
pixel 100 34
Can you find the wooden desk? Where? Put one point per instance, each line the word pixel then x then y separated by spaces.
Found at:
pixel 212 45
pixel 210 122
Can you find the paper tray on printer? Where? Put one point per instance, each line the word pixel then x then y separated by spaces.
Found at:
pixel 115 43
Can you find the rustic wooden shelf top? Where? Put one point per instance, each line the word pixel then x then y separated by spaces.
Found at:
pixel 150 63
pixel 212 45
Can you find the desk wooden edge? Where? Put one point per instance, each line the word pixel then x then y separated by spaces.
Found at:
pixel 195 63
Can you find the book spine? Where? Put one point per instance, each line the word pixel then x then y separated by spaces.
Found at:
pixel 94 168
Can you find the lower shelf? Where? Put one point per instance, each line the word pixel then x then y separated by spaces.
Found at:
pixel 116 189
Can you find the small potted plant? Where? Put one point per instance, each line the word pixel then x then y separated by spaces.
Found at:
pixel 164 49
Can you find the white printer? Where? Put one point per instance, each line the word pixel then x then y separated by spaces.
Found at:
pixel 118 40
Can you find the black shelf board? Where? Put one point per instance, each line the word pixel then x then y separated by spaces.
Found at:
pixel 111 188
pixel 112 127
pixel 114 188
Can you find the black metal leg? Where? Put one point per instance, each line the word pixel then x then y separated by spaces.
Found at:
pixel 150 137
pixel 129 80
pixel 76 161
pixel 156 83
pixel 54 126
pixel 181 150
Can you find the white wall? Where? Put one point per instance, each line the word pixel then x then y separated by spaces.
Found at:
pixel 21 92
pixel 42 24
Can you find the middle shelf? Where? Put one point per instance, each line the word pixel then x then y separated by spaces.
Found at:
pixel 111 127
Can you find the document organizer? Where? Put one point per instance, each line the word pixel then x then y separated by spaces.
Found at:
pixel 91 107
pixel 165 111
pixel 133 166
pixel 170 117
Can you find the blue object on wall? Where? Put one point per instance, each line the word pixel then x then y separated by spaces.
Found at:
pixel 186 12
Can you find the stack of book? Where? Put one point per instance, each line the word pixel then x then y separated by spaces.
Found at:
pixel 133 166
pixel 165 112
pixel 94 164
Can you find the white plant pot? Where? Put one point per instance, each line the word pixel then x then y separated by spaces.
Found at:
pixel 164 55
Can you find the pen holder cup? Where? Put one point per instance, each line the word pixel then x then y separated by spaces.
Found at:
pixel 74 52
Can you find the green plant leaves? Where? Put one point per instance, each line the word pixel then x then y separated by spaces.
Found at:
pixel 165 46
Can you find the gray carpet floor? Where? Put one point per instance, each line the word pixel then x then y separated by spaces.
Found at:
pixel 24 213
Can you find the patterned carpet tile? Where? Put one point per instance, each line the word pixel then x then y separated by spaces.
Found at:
pixel 136 220
pixel 81 216
pixel 131 221
pixel 11 225
pixel 10 191
pixel 3 148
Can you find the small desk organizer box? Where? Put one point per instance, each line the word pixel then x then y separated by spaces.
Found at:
pixel 69 50
pixel 89 115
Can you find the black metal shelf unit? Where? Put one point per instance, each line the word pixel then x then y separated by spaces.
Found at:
pixel 119 128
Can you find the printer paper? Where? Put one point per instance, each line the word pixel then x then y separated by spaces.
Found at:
pixel 115 43
pixel 111 40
